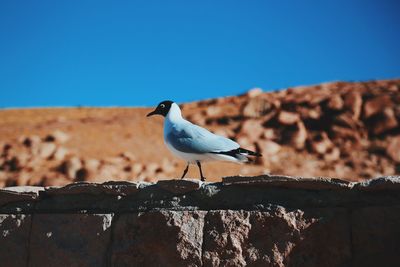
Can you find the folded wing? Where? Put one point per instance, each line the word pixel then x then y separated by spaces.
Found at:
pixel 190 138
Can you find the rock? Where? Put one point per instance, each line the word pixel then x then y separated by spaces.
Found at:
pixel 46 150
pixel 252 128
pixel 55 179
pixel 137 168
pixel 387 121
pixel 152 167
pixel 353 102
pixel 92 165
pixel 57 136
pixel 158 238
pixel 12 196
pixel 299 137
pixel 213 111
pixel 344 133
pixel 23 178
pixel 321 143
pixel 346 120
pixel 313 113
pixel 377 105
pixel 385 183
pixel 276 238
pixel 374 239
pixel 122 188
pixel 256 107
pixel 288 118
pixel 82 174
pixel 17 162
pixel 332 154
pixel 31 141
pixel 268 148
pixel 180 186
pixel 269 134
pixel 71 166
pixel 14 234
pixel 335 102
pixel 393 148
pixel 287 182
pixel 254 92
pixel 60 153
pixel 107 172
pixel 70 239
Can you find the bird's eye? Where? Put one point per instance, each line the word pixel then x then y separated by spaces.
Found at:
pixel 162 106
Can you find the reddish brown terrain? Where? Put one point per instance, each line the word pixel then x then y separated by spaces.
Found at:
pixel 340 129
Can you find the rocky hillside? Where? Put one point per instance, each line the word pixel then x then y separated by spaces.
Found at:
pixel 336 129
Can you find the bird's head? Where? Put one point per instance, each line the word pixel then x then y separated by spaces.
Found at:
pixel 162 108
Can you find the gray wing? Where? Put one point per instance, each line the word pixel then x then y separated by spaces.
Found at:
pixel 190 138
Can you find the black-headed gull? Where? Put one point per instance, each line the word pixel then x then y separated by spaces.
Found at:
pixel 195 144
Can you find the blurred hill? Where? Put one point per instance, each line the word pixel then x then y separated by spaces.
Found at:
pixel 340 129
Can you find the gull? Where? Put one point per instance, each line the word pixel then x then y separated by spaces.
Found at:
pixel 195 144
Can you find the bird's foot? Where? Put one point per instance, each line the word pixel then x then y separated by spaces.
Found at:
pixel 203 179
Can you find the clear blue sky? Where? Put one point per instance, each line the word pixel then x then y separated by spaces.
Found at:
pixel 130 53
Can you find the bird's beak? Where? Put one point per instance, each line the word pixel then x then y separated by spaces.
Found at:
pixel 152 113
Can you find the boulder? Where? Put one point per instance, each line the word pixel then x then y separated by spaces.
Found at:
pixel 254 92
pixel 353 103
pixel 60 153
pixel 71 166
pixel 288 118
pixel 377 105
pixel 332 154
pixel 31 141
pixel 57 136
pixel 386 121
pixel 321 143
pixel 268 148
pixel 256 107
pixel 269 134
pixel 335 102
pixel 46 150
pixel 299 137
pixel 252 128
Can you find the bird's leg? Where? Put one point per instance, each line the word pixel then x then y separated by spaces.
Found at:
pixel 201 173
pixel 185 171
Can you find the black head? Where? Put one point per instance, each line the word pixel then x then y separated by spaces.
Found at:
pixel 162 109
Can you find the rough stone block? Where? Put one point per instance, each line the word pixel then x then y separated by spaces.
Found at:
pixel 70 239
pixel 14 239
pixel 158 238
pixel 276 238
pixel 375 236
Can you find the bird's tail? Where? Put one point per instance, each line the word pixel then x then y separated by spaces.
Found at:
pixel 248 152
pixel 240 154
pixel 243 154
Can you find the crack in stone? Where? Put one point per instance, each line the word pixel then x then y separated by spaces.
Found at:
pixel 29 237
pixel 202 241
pixel 109 250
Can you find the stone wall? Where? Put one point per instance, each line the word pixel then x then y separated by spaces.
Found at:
pixel 252 221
